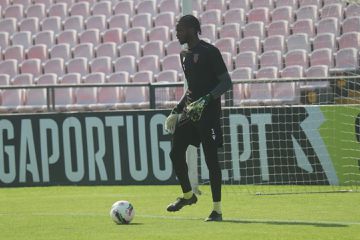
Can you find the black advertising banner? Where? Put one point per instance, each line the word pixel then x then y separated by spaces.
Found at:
pixel 267 145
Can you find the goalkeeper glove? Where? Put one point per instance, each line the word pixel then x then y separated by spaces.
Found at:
pixel 195 109
pixel 171 121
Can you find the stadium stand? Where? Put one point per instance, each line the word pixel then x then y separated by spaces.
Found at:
pixel 67 39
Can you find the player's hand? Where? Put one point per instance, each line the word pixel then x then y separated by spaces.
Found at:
pixel 195 109
pixel 171 121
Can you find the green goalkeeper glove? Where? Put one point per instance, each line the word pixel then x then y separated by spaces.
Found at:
pixel 171 121
pixel 195 109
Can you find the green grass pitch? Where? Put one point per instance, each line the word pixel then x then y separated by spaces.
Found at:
pixel 83 213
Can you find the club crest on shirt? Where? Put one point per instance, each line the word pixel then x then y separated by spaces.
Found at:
pixel 196 57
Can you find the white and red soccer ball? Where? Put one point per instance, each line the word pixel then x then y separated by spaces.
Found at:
pixel 122 212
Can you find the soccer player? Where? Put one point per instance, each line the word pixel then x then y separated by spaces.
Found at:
pixel 196 118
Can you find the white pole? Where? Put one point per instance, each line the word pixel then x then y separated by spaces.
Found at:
pixel 191 153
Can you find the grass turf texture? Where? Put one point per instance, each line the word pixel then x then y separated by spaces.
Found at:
pixel 83 213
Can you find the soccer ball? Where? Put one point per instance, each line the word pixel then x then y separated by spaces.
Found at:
pixel 122 212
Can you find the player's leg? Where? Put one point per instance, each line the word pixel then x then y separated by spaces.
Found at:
pixel 181 140
pixel 210 146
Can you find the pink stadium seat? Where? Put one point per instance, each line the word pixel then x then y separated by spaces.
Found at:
pixel 119 21
pixel 106 50
pixel 297 57
pixel 350 40
pixel 137 34
pixel 351 24
pixel 130 49
pixel 80 8
pixel 143 77
pixel 47 3
pixel 250 44
pixel 323 56
pixel 108 98
pixel 14 11
pixel 35 101
pixel 352 10
pixel 172 62
pixel 245 4
pixel 332 10
pixel 8 25
pixel 149 63
pixel 271 59
pixel 14 52
pixel 267 73
pixel 51 24
pixel 102 8
pixel 298 41
pixel 29 24
pixel 329 25
pixel 165 19
pixel 209 31
pixel 167 76
pixel 112 35
pixel 9 67
pixel 259 15
pixel 4 80
pixel 316 3
pixel 169 6
pixel 65 96
pixel 118 77
pixel 285 13
pixel 292 72
pixel 125 63
pixel 286 93
pixel 227 60
pixel 39 51
pixel 308 12
pixel 173 47
pixel 166 95
pixel 317 71
pixel 75 22
pixel 278 28
pixel 22 38
pixel 78 65
pixel 244 73
pixel 215 4
pixel 60 51
pixel 136 97
pixel 101 64
pixel 96 22
pixel 226 45
pixel 55 65
pixel 290 3
pixel 161 33
pixel 124 7
pixel 11 99
pixel 47 79
pixel 69 36
pixel 146 6
pixel 24 3
pixel 256 29
pixel 211 17
pixel 31 66
pixel 67 2
pixel 235 15
pixel 90 36
pixel 58 10
pixel 23 80
pixel 328 2
pixel 36 11
pixel 276 42
pixel 154 48
pixel 305 26
pixel 4 39
pixel 85 50
pixel 247 59
pixel 232 30
pixel 347 58
pixel 94 78
pixel 258 94
pixel 263 4
pixel 142 20
pixel 325 40
pixel 85 97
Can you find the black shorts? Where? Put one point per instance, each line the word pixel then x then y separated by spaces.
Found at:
pixel 208 129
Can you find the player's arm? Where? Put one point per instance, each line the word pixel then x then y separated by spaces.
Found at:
pixel 196 108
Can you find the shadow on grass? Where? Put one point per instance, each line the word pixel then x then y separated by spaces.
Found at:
pixel 315 224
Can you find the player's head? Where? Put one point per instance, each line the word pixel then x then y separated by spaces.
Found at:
pixel 187 28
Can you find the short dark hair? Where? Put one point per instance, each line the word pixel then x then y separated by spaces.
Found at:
pixel 190 21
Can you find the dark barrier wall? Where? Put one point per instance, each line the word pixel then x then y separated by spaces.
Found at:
pixel 284 145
